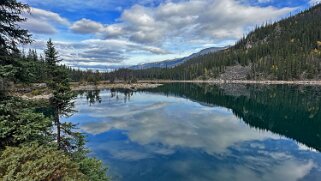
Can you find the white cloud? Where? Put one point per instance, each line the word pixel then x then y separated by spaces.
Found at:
pixel 86 26
pixel 207 19
pixel 43 22
pixel 97 53
pixel 314 2
pixel 111 31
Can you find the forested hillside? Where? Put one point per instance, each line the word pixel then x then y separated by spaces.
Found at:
pixel 286 50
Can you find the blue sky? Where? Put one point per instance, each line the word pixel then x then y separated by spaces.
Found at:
pixel 106 34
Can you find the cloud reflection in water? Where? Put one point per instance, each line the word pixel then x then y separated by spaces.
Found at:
pixel 183 140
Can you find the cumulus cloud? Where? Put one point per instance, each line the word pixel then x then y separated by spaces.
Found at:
pixel 86 26
pixel 111 31
pixel 212 19
pixel 43 22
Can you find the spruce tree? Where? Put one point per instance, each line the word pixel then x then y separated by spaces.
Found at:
pixel 11 34
pixel 61 101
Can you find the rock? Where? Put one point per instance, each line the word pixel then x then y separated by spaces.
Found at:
pixel 237 72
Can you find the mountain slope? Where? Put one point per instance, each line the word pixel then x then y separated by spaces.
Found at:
pixel 286 50
pixel 175 62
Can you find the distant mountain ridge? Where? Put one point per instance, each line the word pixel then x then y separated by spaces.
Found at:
pixel 175 62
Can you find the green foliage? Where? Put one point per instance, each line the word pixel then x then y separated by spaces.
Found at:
pixel 37 162
pixel 61 101
pixel 23 126
pixel 62 93
pixel 51 55
pixel 7 71
pixel 20 124
pixel 10 32
pixel 93 169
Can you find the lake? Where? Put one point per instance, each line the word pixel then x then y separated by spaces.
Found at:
pixel 199 132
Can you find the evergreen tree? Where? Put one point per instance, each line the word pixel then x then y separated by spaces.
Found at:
pixel 19 123
pixel 61 101
pixel 10 35
pixel 10 32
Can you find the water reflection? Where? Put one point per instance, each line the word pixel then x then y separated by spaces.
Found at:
pixel 206 132
pixel 125 92
pixel 292 111
pixel 92 96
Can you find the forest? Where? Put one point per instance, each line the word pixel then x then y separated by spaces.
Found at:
pixel 35 144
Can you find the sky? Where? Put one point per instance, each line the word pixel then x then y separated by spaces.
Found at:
pixel 108 34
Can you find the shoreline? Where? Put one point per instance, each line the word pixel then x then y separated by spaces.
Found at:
pixel 133 87
pixel 150 84
pixel 28 93
pixel 266 82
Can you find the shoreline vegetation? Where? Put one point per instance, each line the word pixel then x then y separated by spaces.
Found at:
pixel 40 91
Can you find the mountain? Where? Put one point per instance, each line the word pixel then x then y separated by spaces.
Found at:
pixel 289 49
pixel 175 62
